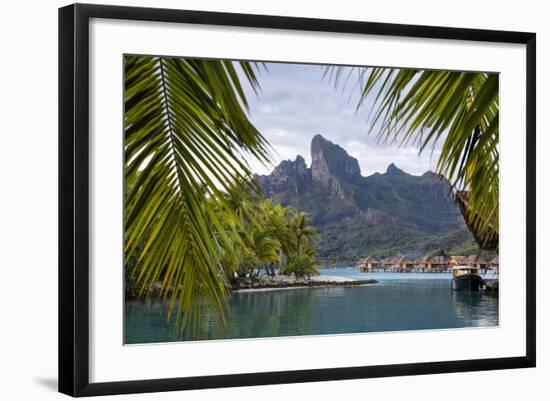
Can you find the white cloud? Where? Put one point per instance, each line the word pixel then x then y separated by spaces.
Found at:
pixel 295 103
pixel 270 109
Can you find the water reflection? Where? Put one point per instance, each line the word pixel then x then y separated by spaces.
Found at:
pixel 398 302
pixel 477 307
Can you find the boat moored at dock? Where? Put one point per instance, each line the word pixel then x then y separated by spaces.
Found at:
pixel 466 278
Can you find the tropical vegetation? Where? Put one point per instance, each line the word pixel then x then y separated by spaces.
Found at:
pixel 270 239
pixel 193 216
pixel 186 129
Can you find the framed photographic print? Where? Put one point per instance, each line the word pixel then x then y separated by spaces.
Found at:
pixel 249 199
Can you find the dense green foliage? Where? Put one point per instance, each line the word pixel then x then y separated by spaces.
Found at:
pixel 422 203
pixel 185 129
pixel 301 265
pixel 270 238
pixel 383 214
pixel 345 243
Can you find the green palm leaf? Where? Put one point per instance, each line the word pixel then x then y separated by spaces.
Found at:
pixel 302 230
pixel 459 110
pixel 185 131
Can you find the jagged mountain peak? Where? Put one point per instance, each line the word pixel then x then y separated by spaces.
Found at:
pixel 393 170
pixel 355 214
pixel 318 138
pixel 320 143
pixel 298 163
pixel 331 160
pixel 289 176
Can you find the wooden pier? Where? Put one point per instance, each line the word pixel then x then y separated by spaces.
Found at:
pixel 428 264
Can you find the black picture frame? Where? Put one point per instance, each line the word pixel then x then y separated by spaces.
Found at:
pixel 74 194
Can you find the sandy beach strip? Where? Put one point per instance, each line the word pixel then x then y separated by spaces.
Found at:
pixel 331 279
pixel 320 282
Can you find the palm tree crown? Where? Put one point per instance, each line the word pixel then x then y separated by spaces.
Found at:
pixel 185 130
pixel 459 111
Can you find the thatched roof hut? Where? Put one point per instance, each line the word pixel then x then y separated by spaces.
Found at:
pixel 458 260
pixel 422 262
pixel 371 259
pixel 432 262
pixel 405 263
pixel 392 261
pixel 370 262
pixel 438 262
pixel 476 260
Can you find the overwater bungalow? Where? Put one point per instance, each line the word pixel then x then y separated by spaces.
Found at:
pixel 457 260
pixel 436 263
pixel 369 264
pixel 421 263
pixel 493 264
pixel 392 263
pixel 405 264
pixel 477 261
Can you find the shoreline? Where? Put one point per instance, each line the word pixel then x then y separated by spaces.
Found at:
pixel 250 284
pixel 282 283
pixel 327 285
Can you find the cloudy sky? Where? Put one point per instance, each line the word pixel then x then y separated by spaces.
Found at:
pixel 296 103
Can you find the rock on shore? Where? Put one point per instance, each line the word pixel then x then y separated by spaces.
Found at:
pixel 266 282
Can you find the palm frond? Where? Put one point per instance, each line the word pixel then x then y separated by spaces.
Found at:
pixel 457 110
pixel 185 131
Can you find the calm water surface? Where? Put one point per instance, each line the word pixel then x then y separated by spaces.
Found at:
pixel 400 301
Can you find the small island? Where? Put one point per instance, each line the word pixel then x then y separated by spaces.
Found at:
pixel 284 282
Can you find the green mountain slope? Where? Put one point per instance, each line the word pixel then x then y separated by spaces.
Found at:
pixel 381 214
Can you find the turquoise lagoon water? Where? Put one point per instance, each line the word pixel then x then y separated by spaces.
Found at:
pixel 400 301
